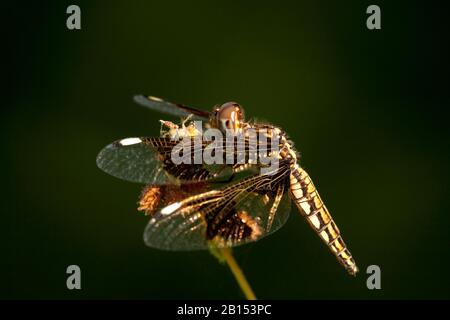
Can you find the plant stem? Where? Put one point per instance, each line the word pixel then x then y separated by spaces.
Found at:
pixel 238 274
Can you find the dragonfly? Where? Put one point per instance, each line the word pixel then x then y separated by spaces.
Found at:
pixel 195 206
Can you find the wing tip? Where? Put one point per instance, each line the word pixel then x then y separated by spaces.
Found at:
pixel 139 98
pixel 143 98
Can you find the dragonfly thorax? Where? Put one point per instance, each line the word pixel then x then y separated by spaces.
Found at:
pixel 287 150
pixel 272 141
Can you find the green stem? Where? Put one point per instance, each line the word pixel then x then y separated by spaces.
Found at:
pixel 238 274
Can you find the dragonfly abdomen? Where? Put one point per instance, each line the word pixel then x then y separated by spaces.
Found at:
pixel 311 206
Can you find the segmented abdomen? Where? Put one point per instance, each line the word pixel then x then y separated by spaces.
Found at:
pixel 308 201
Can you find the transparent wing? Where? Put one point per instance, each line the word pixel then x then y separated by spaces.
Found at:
pixel 132 159
pixel 240 213
pixel 166 107
pixel 148 161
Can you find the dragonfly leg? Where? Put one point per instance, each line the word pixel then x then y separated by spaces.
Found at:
pixel 273 209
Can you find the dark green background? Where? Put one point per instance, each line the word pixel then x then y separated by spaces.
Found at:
pixel 366 109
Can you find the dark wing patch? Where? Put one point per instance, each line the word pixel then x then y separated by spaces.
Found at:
pixel 238 227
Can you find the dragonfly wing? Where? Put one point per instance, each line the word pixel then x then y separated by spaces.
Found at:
pixel 133 160
pixel 174 109
pixel 234 215
pixel 148 161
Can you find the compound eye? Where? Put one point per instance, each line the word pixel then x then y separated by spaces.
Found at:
pixel 230 116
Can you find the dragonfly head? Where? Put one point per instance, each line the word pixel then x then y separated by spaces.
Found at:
pixel 229 116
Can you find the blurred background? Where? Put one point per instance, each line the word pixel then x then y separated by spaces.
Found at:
pixel 366 109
